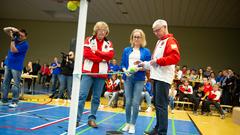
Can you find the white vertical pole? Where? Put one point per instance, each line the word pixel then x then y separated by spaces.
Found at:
pixel 82 20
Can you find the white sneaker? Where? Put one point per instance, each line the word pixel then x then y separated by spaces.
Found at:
pixel 101 106
pixel 139 108
pixel 13 105
pixel 57 101
pixel 64 101
pixel 126 127
pixel 149 109
pixel 69 101
pixel 172 111
pixel 131 129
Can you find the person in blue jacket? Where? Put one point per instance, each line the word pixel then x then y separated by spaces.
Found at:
pixel 14 64
pixel 147 95
pixel 134 76
pixel 114 66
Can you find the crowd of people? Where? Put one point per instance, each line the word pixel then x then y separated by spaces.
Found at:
pixel 227 80
pixel 141 76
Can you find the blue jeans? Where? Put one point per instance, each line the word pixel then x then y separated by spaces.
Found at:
pixel 133 91
pixel 171 102
pixel 55 79
pixel 97 85
pixel 161 91
pixel 65 83
pixel 147 96
pixel 10 74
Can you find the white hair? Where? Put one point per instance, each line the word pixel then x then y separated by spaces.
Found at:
pixel 159 23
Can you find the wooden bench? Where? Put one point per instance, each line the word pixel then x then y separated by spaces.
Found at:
pixel 228 107
pixel 215 112
pixel 183 103
pixel 224 107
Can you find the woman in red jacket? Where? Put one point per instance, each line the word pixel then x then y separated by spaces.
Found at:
pixel 98 51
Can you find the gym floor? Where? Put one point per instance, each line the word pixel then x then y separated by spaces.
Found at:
pixel 38 114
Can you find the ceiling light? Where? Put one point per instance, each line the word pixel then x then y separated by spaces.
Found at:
pixel 119 3
pixel 125 12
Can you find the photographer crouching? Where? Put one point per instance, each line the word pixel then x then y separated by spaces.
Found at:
pixel 14 64
pixel 65 78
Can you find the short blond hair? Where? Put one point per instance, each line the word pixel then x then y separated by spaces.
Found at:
pixel 100 25
pixel 144 42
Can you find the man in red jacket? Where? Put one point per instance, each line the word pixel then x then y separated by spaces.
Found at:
pixel 162 68
pixel 98 51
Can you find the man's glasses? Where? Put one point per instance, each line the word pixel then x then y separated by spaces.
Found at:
pixel 157 30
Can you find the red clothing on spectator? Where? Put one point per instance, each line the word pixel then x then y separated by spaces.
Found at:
pixel 187 89
pixel 207 88
pixel 184 72
pixel 45 71
pixel 214 96
pixel 112 86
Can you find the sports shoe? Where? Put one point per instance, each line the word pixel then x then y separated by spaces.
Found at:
pixel 13 105
pixel 64 102
pixel 225 111
pixel 92 124
pixel 149 109
pixel 52 96
pixel 204 114
pixel 114 106
pixel 172 111
pixel 3 103
pixel 222 116
pixel 77 124
pixel 126 127
pixel 101 106
pixel 131 129
pixel 69 101
pixel 195 113
pixel 151 132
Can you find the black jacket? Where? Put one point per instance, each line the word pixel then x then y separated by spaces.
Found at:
pixel 67 67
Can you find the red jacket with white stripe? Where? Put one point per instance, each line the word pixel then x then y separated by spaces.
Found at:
pixel 167 54
pixel 186 89
pixel 97 61
pixel 214 95
pixel 112 86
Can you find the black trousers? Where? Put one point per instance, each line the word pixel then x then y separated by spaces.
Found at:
pixel 191 98
pixel 207 103
pixel 160 98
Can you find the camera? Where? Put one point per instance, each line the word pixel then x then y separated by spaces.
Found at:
pixel 64 55
pixel 16 35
